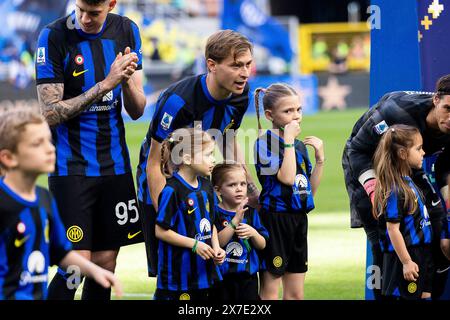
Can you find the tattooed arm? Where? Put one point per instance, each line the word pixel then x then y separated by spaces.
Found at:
pixel 56 110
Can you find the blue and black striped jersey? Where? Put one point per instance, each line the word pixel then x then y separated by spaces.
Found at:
pixel 32 237
pixel 415 227
pixel 276 196
pixel 239 258
pixel 93 143
pixel 189 212
pixel 185 104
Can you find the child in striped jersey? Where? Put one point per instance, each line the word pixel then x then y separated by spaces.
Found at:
pixel 240 232
pixel 403 221
pixel 189 250
pixel 32 235
pixel 289 183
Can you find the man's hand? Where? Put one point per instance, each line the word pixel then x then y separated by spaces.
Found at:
pixel 122 69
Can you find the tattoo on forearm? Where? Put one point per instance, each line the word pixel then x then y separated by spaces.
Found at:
pixel 56 111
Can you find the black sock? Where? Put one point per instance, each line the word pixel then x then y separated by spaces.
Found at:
pixel 94 291
pixel 58 288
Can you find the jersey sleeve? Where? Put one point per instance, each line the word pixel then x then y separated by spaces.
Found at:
pixel 171 114
pixel 59 245
pixel 268 162
pixel 394 208
pixel 136 43
pixel 168 208
pixel 49 61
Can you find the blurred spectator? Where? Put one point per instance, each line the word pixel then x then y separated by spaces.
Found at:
pixel 338 62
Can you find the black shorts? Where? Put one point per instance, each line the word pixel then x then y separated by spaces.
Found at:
pixel 99 213
pixel 149 216
pixel 393 282
pixel 193 295
pixel 237 287
pixel 287 248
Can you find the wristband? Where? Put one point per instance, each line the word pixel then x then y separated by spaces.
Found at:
pixel 194 248
pixel 288 145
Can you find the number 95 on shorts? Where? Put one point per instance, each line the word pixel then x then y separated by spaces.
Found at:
pixel 99 213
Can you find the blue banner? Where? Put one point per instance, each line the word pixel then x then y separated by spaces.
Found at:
pixel 434 26
pixel 245 17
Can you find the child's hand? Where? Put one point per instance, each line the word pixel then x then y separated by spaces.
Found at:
pixel 317 144
pixel 219 256
pixel 204 251
pixel 291 131
pixel 107 279
pixel 410 271
pixel 241 211
pixel 245 231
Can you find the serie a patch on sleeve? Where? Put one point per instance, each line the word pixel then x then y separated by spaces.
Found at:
pixel 166 121
pixel 381 127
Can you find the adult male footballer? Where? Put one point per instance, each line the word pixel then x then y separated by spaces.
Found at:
pixel 215 100
pixel 430 113
pixel 88 65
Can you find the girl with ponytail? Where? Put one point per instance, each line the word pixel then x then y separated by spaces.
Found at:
pixel 288 184
pixel 403 221
pixel 189 250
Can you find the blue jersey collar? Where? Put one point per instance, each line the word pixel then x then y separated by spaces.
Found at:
pixel 180 178
pixel 17 197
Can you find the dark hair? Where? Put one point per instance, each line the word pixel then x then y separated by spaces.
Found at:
pixel 272 94
pixel 220 171
pixel 181 141
pixel 225 42
pixel 443 86
pixel 94 2
pixel 390 167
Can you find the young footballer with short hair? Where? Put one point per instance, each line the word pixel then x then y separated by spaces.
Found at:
pixel 32 236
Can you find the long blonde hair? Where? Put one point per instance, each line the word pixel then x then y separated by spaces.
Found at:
pixel 390 168
pixel 181 141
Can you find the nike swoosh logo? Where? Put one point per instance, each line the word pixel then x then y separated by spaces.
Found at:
pixel 18 243
pixel 131 236
pixel 442 270
pixel 76 74
pixel 435 203
pixel 191 210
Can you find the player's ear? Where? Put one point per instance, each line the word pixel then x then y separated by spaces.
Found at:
pixel 211 65
pixel 217 190
pixel 112 5
pixel 403 153
pixel 268 114
pixel 187 159
pixel 8 159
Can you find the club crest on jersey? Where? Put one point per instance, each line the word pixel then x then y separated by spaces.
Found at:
pixel 381 127
pixel 166 121
pixel 40 55
pixel 190 202
pixel 79 59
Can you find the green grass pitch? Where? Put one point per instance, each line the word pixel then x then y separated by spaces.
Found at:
pixel 336 252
